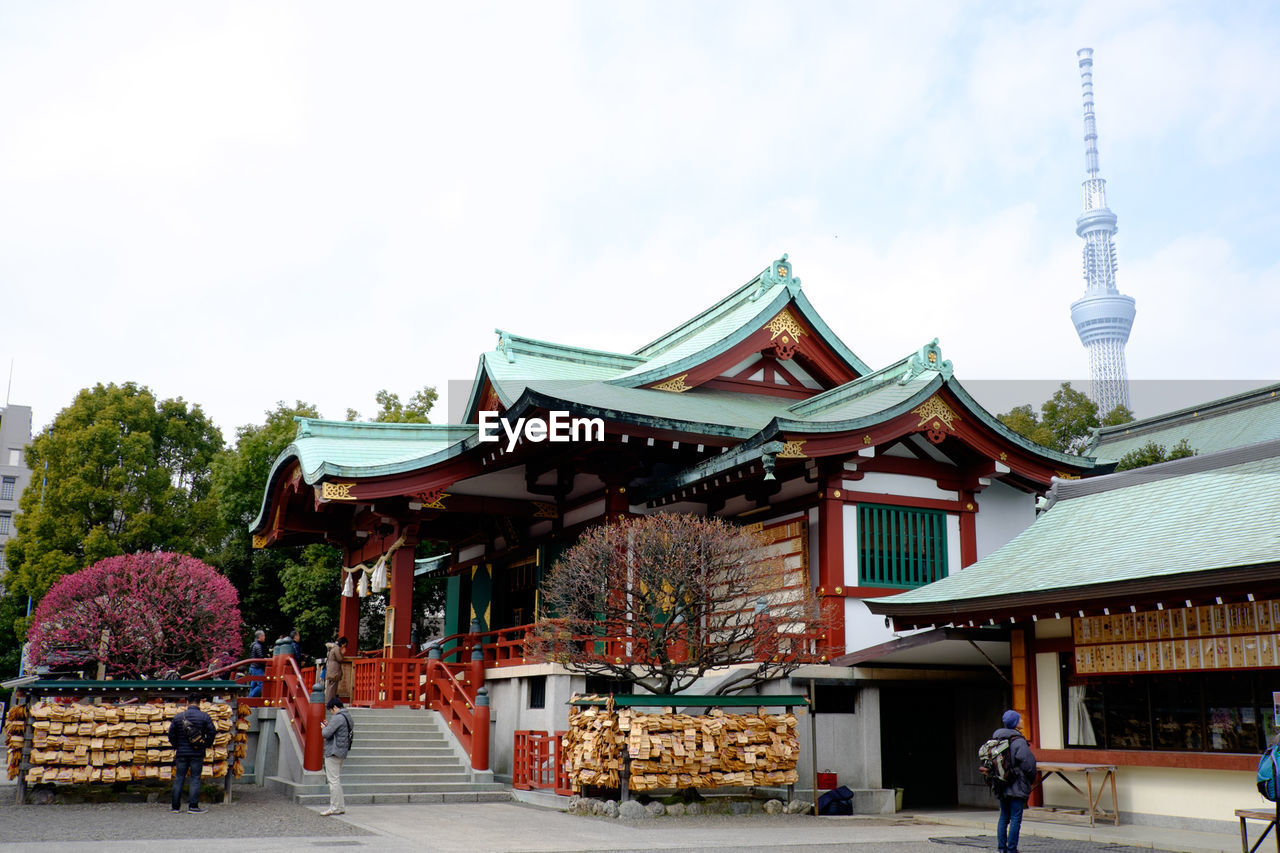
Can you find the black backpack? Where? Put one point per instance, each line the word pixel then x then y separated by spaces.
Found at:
pixel 836 802
pixel 196 735
pixel 995 763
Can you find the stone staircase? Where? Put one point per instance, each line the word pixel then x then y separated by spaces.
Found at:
pixel 399 755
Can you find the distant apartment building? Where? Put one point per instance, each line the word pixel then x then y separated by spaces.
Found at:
pixel 15 435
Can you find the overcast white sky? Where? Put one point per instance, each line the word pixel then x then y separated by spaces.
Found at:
pixel 239 203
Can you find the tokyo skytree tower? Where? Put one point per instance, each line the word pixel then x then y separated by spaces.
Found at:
pixel 1103 316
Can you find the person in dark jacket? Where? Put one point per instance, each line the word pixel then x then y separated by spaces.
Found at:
pixel 295 637
pixel 187 756
pixel 337 742
pixel 1013 800
pixel 257 649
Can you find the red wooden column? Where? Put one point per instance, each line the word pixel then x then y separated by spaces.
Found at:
pixel 400 601
pixel 968 530
pixel 831 561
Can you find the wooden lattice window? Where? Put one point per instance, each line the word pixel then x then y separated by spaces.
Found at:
pixel 901 547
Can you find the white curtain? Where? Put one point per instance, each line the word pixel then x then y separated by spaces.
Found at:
pixel 1079 724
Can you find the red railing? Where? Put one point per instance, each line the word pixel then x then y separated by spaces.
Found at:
pixel 537 762
pixel 387 682
pixel 283 686
pixel 466 712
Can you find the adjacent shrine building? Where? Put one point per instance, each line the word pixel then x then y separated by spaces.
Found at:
pixel 869 481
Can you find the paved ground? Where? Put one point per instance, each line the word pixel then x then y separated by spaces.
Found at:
pixel 262 821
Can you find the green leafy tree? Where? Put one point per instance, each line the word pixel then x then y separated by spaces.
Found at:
pixel 117 472
pixel 391 410
pixel 271 594
pixel 1065 421
pixel 125 473
pixel 1152 454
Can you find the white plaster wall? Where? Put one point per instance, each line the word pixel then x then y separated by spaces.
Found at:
pixel 509 709
pixel 850 518
pixel 899 484
pixel 862 628
pixel 1003 513
pixel 847 744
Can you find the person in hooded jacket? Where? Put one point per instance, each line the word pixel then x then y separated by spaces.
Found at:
pixel 1013 800
pixel 188 758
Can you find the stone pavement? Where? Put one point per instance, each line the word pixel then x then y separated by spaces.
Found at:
pixel 262 821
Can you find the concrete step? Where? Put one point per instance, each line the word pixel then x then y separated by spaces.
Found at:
pixel 391 749
pixel 441 797
pixel 404 780
pixel 353 788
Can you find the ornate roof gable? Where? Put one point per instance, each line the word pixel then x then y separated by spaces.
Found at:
pixel 765 337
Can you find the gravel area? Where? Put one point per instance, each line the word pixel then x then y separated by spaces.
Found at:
pixel 253 813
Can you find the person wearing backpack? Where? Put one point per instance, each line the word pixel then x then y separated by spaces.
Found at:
pixel 1016 790
pixel 338 735
pixel 190 734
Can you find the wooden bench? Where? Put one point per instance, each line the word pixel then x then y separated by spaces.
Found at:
pixel 1269 815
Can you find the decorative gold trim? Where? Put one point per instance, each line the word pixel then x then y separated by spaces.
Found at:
pixel 675 385
pixel 934 412
pixel 544 509
pixel 259 540
pixel 1004 457
pixel 1063 475
pixel 336 491
pixel 785 323
pixel 793 450
pixel 433 499
pixel 866 439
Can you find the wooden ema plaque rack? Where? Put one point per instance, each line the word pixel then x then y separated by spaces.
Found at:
pixel 77 732
pixel 638 742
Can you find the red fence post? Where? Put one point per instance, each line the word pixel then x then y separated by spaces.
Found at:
pixel 475 670
pixel 480 733
pixel 313 748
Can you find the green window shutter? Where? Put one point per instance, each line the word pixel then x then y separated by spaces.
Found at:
pixel 900 547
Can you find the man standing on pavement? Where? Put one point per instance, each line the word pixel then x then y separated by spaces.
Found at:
pixel 190 734
pixel 257 649
pixel 1013 800
pixel 333 668
pixel 337 742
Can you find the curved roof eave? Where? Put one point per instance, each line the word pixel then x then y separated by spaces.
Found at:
pixel 328 469
pixel 473 398
pixel 688 362
pixel 926 391
pixel 1027 444
pixel 532 399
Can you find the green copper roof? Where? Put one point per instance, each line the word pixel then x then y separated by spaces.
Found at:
pixel 1209 427
pixel 357 449
pixel 1192 515
pixel 728 323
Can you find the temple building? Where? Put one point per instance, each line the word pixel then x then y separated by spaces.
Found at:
pixel 1142 611
pixel 869 481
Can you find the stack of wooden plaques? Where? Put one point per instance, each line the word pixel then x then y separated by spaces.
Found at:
pixel 668 750
pixel 117 743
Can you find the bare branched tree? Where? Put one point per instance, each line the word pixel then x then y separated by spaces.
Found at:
pixel 661 600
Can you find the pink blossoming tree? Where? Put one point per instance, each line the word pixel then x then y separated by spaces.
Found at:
pixel 141 615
